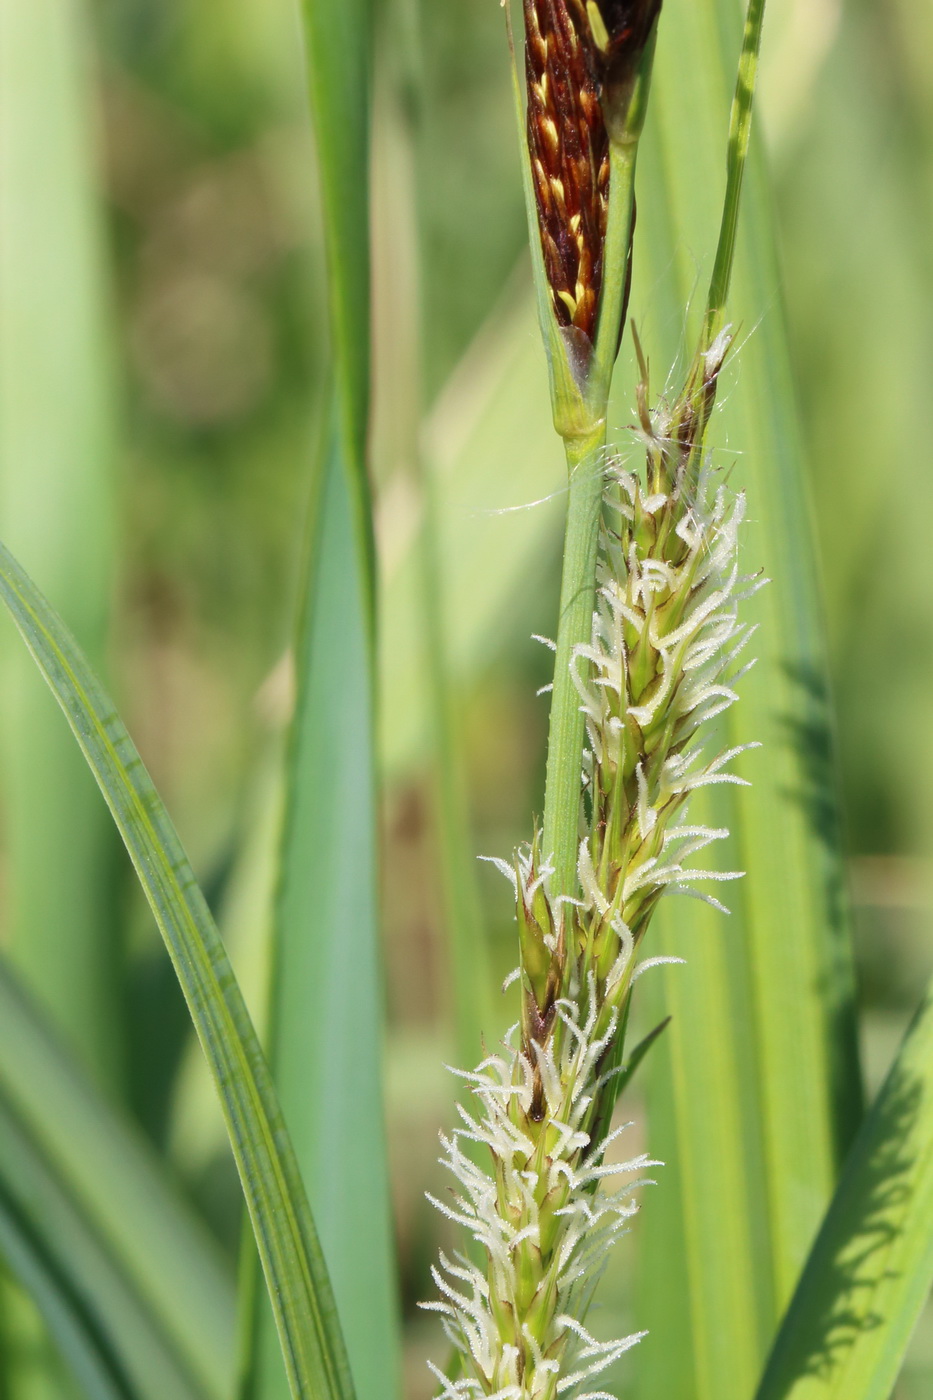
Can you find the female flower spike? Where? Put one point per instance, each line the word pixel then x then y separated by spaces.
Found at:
pixel 663 660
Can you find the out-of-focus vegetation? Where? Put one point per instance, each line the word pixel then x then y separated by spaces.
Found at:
pixel 216 382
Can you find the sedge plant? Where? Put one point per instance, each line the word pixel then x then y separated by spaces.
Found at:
pixel 650 646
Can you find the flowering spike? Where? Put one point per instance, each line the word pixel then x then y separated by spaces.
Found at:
pixel 542 1228
pixel 569 149
pixel 643 674
pixel 661 662
pixel 582 62
pixel 540 944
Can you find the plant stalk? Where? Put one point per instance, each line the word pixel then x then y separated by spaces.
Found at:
pixel 740 125
pixel 577 595
pixel 585 461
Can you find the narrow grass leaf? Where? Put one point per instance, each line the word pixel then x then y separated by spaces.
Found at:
pixel 338 38
pixel 131 1287
pixel 326 1013
pixel 499 486
pixel 79 1349
pixel 403 171
pixel 869 1273
pixel 467 954
pixel 285 1234
pixel 755 1095
pixel 56 486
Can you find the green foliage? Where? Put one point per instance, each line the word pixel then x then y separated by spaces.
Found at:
pixel 219 217
pixel 135 1293
pixel 285 1234
pixel 871 1267
pixel 756 1087
pixel 326 1013
pixel 55 348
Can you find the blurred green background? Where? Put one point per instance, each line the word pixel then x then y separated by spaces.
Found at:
pixel 202 402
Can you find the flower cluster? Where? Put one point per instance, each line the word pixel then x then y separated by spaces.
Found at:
pixel 569 149
pixel 662 664
pixel 542 1226
pixel 581 62
pixel 663 661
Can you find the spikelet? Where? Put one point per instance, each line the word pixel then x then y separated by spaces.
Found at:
pixel 569 149
pixel 581 58
pixel 665 655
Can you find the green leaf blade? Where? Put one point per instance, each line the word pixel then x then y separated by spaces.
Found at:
pixel 284 1230
pixel 755 1095
pixel 338 41
pixel 869 1274
pixel 326 1012
pixel 130 1285
pixel 57 510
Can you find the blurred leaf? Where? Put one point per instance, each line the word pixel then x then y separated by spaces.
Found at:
pixel 87 1364
pixel 467 953
pixel 338 38
pixel 499 483
pixel 291 1257
pixel 859 314
pixel 401 330
pixel 870 1270
pixel 326 1014
pixel 756 1093
pixel 56 480
pixel 131 1288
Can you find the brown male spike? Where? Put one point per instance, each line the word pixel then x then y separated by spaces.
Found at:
pixel 581 58
pixel 569 150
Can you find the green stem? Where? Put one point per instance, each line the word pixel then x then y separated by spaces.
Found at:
pixel 577 597
pixel 740 126
pixel 700 393
pixel 578 581
pixel 580 417
pixel 585 454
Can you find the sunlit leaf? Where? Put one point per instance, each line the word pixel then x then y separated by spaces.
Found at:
pixel 56 511
pixel 325 1016
pixel 871 1268
pixel 755 1095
